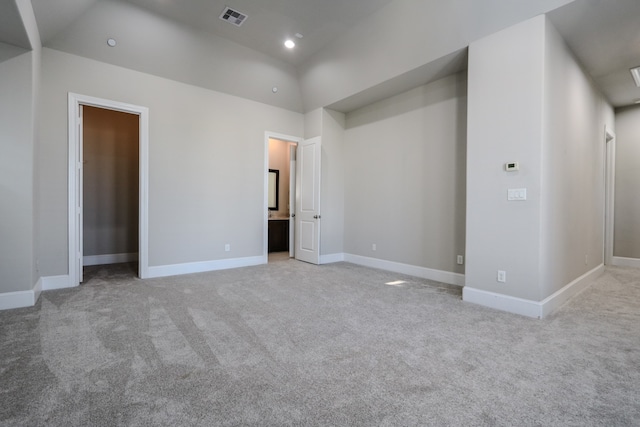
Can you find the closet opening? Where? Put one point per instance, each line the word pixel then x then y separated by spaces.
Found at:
pixel 110 188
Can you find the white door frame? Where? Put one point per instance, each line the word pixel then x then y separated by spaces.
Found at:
pixel 609 202
pixel 75 165
pixel 265 228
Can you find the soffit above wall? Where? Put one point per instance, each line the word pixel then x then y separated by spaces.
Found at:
pixel 12 30
pixel 605 37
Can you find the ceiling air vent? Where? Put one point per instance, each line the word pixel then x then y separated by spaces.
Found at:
pixel 233 16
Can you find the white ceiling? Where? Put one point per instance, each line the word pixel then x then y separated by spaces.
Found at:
pixel 604 34
pixel 268 25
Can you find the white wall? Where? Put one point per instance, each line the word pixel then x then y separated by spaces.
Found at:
pixel 206 161
pixel 378 48
pixel 405 177
pixel 530 102
pixel 16 173
pixel 627 202
pixel 573 186
pixel 332 183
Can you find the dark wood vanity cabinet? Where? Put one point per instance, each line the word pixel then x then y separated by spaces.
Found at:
pixel 278 235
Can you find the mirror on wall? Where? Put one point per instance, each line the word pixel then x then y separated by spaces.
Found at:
pixel 274 183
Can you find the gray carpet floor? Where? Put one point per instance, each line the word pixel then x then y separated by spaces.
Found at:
pixel 292 344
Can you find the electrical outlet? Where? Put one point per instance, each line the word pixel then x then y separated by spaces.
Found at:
pixel 460 260
pixel 502 276
pixel 227 247
pixel 374 247
pixel 586 259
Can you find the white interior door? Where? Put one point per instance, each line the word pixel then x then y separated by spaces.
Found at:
pixel 292 200
pixel 79 179
pixel 307 219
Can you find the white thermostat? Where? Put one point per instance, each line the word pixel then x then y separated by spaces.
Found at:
pixel 511 166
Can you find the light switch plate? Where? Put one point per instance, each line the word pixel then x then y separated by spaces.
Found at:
pixel 516 194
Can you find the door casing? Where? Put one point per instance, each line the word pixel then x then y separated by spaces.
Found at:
pixel 267 136
pixel 75 103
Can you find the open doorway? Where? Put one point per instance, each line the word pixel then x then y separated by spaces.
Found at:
pixel 110 184
pixel 280 199
pixel 279 196
pixel 77 105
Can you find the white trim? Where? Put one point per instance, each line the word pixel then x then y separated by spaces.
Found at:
pixel 265 227
pixel 50 283
pixel 74 102
pixel 203 266
pixel 18 299
pixel 502 302
pixel 559 298
pixel 411 270
pixel 109 259
pixel 529 308
pixel 331 258
pixel 625 262
pixel 37 289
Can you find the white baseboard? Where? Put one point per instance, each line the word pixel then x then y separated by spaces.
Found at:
pixel 331 258
pixel 19 299
pixel 559 298
pixel 525 307
pixel 625 262
pixel 411 270
pixel 200 267
pixel 29 298
pixel 109 259
pixel 50 283
pixel 502 302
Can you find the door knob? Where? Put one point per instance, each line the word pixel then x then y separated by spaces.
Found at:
pixel 316 216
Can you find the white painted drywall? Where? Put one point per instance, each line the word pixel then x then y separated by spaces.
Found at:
pixel 573 186
pixel 378 49
pixel 156 45
pixel 627 203
pixel 332 183
pixel 313 123
pixel 206 161
pixel 505 122
pixel 19 89
pixel 16 173
pixel 110 182
pixel 405 177
pixel 530 102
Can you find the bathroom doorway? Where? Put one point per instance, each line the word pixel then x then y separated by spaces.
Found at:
pixel 280 197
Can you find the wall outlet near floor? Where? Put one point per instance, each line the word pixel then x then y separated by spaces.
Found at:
pixel 502 276
pixel 374 247
pixel 460 260
pixel 586 259
pixel 227 247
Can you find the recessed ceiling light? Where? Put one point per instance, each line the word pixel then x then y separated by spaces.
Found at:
pixel 290 44
pixel 111 42
pixel 298 35
pixel 635 72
